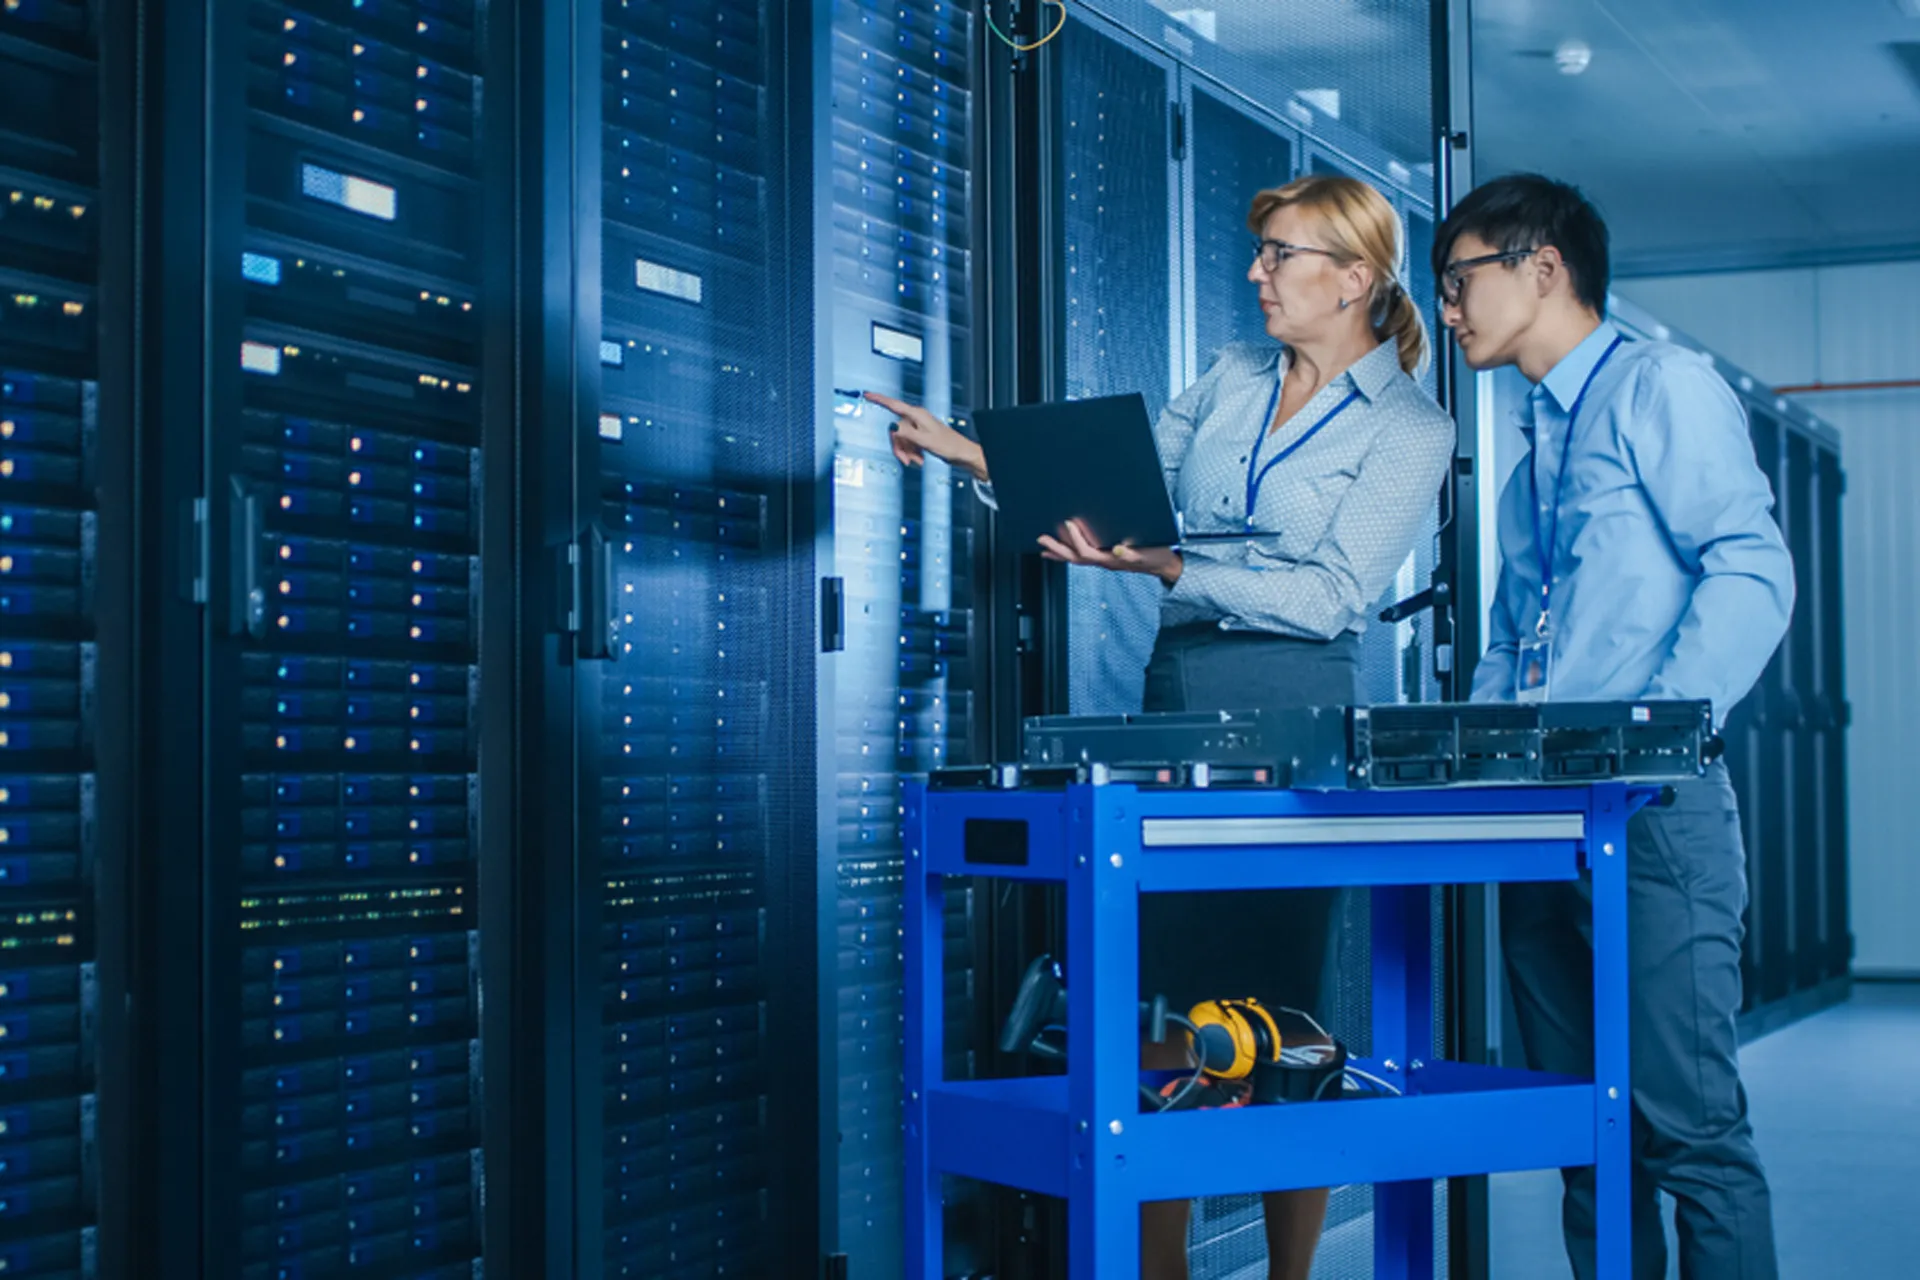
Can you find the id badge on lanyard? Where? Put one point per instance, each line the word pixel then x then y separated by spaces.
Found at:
pixel 1533 672
pixel 1533 679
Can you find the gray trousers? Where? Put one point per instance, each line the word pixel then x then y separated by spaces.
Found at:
pixel 1686 890
pixel 1276 945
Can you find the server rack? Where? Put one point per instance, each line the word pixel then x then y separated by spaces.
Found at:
pixel 443 400
pixel 341 1081
pixel 897 151
pixel 53 347
pixel 1787 745
pixel 697 730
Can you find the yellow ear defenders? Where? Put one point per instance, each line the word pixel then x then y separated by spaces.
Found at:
pixel 1229 1037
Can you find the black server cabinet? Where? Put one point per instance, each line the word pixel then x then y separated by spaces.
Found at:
pixel 895 206
pixel 1755 758
pixel 696 730
pixel 1831 713
pixel 1786 745
pixel 342 1074
pixel 51 625
pixel 1806 923
pixel 1759 735
pixel 1816 666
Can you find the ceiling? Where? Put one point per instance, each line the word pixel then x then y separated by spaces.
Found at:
pixel 1714 134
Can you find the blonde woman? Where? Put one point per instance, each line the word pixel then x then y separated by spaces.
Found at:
pixel 1323 442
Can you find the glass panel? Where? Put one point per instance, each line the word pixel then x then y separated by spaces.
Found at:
pixel 49 361
pixel 902 193
pixel 1234 156
pixel 1119 326
pixel 695 714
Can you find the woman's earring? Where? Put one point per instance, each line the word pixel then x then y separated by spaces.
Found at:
pixel 1345 303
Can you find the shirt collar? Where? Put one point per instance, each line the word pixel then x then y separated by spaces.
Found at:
pixel 1564 380
pixel 1370 375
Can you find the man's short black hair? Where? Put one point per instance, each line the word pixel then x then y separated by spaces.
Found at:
pixel 1529 211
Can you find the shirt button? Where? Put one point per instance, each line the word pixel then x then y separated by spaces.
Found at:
pixel 1243 457
pixel 1223 502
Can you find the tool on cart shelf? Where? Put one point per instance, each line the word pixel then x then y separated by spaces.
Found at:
pixel 1235 1048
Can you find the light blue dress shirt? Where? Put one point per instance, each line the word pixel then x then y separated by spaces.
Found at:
pixel 1672 579
pixel 1344 511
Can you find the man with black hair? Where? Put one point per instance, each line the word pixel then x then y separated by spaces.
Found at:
pixel 1640 559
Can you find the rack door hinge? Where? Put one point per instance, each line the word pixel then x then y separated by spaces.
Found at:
pixel 1177 130
pixel 193 551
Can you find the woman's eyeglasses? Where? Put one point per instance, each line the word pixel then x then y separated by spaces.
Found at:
pixel 1271 253
pixel 1454 279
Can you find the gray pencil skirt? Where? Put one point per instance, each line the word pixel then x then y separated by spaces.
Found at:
pixel 1273 945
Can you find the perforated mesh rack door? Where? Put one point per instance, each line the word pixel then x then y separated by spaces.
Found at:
pixel 693 722
pixel 902 142
pixel 346 1100
pixel 50 175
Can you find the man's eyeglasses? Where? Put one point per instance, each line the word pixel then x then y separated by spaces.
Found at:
pixel 1454 279
pixel 1271 253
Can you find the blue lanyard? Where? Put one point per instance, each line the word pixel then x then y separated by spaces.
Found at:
pixel 1256 474
pixel 1544 543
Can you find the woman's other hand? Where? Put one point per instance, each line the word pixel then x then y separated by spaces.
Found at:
pixel 1075 545
pixel 918 433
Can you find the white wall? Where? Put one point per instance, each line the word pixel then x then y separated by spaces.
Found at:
pixel 1850 324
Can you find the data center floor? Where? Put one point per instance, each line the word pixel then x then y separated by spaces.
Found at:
pixel 1838 1126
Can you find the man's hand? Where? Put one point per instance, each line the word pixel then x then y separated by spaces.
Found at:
pixel 1075 545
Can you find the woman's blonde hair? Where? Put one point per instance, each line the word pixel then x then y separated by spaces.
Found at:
pixel 1360 226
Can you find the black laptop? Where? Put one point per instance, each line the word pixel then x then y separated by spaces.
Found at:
pixel 1092 460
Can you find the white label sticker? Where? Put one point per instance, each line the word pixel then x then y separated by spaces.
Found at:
pixel 657 278
pixel 897 345
pixel 260 357
pixel 360 195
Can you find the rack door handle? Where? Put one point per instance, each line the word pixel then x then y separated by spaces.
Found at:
pixel 247 606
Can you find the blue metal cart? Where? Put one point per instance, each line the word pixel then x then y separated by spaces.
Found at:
pixel 1082 1135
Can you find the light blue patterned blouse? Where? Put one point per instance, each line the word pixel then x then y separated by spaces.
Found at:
pixel 1344 510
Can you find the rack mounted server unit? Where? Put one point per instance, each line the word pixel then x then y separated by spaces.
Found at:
pixel 1371 748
